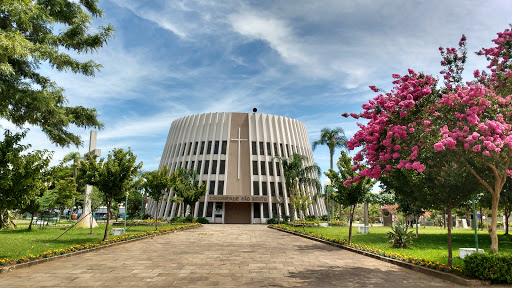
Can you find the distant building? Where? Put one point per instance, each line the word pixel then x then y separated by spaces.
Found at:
pixel 234 153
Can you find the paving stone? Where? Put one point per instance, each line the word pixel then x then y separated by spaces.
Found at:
pixel 220 256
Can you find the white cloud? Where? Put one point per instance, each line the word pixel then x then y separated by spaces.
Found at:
pixel 274 31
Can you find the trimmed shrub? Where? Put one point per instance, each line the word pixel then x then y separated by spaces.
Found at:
pixel 310 218
pixel 202 220
pixel 177 220
pixel 272 221
pixel 489 266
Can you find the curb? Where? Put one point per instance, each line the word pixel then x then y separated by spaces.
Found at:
pixel 431 272
pixel 40 261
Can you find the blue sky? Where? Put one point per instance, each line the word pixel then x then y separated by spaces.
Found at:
pixel 308 60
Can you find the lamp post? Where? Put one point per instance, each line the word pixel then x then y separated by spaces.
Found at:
pixel 327 183
pixel 142 201
pixel 474 224
pixel 125 211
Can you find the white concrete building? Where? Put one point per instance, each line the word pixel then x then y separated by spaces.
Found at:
pixel 235 154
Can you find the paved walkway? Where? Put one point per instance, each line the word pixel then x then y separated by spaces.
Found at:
pixel 220 256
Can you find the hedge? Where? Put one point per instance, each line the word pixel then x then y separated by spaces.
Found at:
pixel 489 266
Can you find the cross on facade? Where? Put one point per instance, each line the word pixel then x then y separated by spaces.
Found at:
pixel 239 150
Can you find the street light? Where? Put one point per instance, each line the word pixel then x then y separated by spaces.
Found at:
pixel 327 182
pixel 125 211
pixel 142 201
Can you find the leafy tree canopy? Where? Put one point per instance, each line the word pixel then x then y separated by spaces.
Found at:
pixel 113 177
pixel 21 174
pixel 45 32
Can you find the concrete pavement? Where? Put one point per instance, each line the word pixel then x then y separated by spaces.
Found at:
pixel 220 256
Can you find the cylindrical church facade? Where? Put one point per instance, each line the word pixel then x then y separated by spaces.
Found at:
pixel 235 154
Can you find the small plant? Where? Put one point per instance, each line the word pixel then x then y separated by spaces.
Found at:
pixel 272 221
pixel 310 218
pixel 324 218
pixel 189 218
pixel 202 220
pixel 177 220
pixel 400 237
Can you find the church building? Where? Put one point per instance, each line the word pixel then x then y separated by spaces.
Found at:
pixel 234 153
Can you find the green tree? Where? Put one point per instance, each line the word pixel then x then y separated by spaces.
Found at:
pixel 113 177
pixel 65 192
pixel 157 184
pixel 506 203
pixel 299 176
pixel 437 188
pixel 348 195
pixel 185 184
pixel 28 39
pixel 135 202
pixel 21 172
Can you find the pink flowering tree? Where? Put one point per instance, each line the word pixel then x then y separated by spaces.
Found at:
pixel 418 126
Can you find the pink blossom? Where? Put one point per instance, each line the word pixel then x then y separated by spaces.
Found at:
pixel 439 146
pixel 374 88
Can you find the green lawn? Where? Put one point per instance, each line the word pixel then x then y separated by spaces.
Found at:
pixel 431 243
pixel 22 242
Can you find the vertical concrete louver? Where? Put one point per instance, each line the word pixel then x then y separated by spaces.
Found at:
pixel 243 183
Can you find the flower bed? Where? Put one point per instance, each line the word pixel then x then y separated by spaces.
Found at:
pixel 370 249
pixel 146 222
pixel 337 223
pixel 80 247
pixel 304 223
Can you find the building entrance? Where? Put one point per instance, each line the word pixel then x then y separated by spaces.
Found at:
pixel 237 213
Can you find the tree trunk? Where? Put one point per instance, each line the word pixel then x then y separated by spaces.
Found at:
pixel 75 172
pixel 352 208
pixel 279 213
pixel 494 222
pixel 416 219
pixel 507 214
pixel 444 218
pixel 32 219
pixel 481 219
pixel 193 210
pixel 109 204
pixel 449 233
pixel 331 152
pixel 340 214
pixel 156 216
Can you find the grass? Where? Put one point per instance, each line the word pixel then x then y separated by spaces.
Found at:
pixel 431 243
pixel 22 242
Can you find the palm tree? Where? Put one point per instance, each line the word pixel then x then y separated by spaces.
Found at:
pixel 75 157
pixel 296 174
pixel 332 138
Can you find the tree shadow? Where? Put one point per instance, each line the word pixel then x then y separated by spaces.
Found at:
pixel 362 277
pixel 317 247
